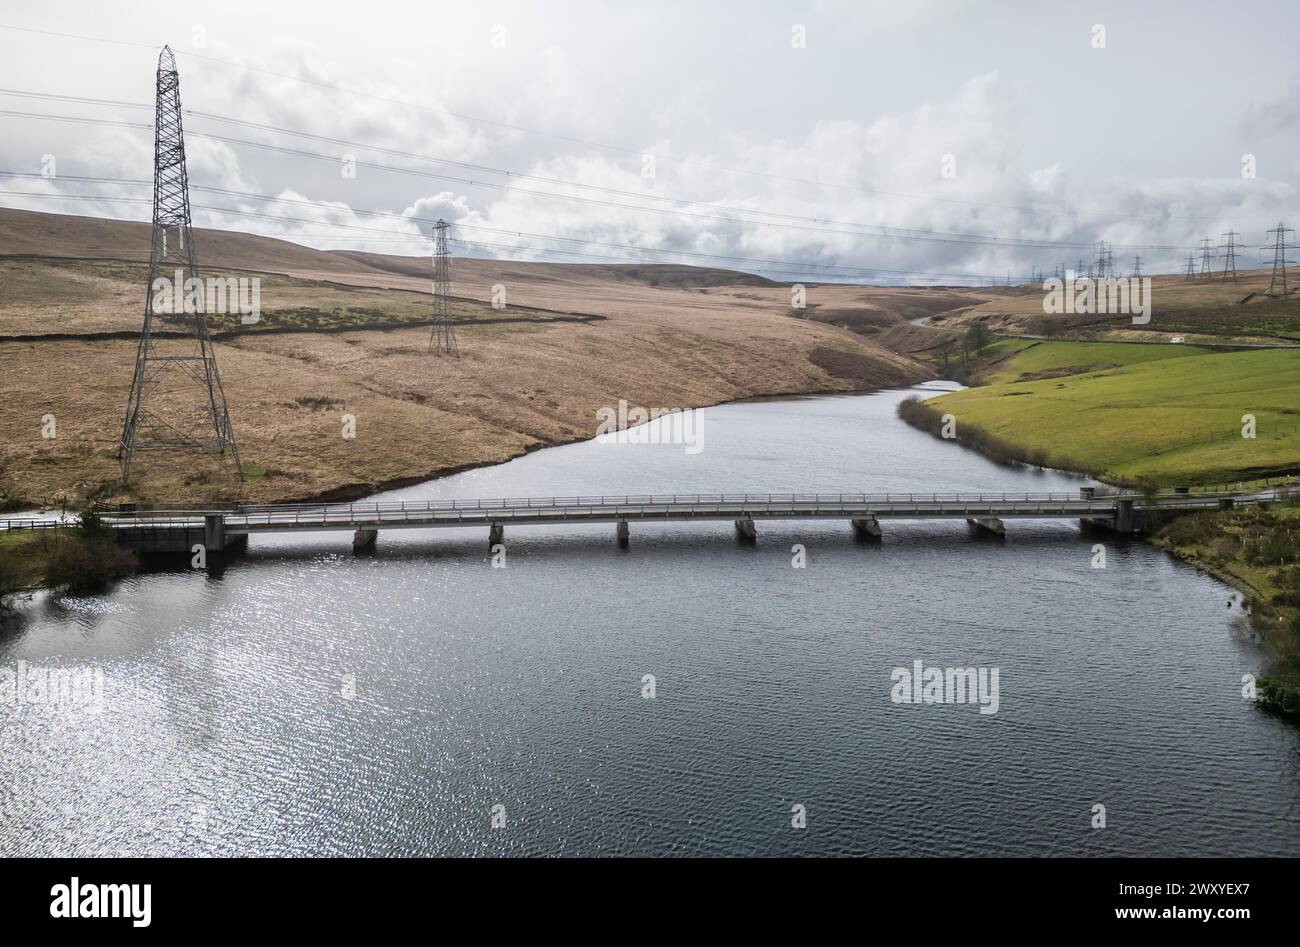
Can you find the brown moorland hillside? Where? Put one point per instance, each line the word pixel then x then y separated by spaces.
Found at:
pixel 73 295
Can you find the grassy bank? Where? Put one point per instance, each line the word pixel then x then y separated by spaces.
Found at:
pixel 1149 416
pixel 1258 552
pixel 1164 415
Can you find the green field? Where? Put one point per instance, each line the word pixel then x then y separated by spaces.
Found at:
pixel 1167 414
pixel 1027 360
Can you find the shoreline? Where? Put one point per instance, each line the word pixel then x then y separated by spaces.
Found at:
pixel 1279 645
pixel 352 492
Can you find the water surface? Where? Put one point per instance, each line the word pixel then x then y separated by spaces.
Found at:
pixel 225 728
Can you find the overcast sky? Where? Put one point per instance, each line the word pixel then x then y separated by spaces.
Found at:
pixel 773 150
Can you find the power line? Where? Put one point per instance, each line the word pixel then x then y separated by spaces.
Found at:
pixel 863 230
pixel 640 152
pixel 841 272
pixel 800 266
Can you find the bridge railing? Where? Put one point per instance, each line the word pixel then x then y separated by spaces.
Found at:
pixel 23 524
pixel 478 509
pixel 289 515
pixel 651 499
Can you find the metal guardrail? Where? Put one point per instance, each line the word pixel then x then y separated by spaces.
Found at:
pixel 288 515
pixel 19 524
pixel 629 499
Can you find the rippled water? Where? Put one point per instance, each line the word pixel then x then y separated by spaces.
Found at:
pixel 224 728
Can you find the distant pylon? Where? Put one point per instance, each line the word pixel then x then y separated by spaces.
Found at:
pixel 1191 267
pixel 1137 267
pixel 1230 255
pixel 1205 256
pixel 1279 248
pixel 176 400
pixel 442 339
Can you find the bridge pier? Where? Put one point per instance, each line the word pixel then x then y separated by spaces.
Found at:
pixel 986 525
pixel 363 540
pixel 866 528
pixel 1124 519
pixel 214 532
pixel 621 532
pixel 496 534
pixel 745 530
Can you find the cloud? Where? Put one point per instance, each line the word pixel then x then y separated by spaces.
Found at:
pixel 843 191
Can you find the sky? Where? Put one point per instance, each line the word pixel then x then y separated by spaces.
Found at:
pixel 926 141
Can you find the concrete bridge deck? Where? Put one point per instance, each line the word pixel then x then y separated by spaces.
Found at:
pixel 221 528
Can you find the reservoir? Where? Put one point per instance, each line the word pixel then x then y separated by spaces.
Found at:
pixel 422 701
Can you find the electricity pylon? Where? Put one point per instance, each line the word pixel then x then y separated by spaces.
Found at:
pixel 177 402
pixel 442 338
pixel 1205 256
pixel 1191 268
pixel 1230 255
pixel 1279 248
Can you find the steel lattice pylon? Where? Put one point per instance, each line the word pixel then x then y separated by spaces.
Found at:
pixel 1279 247
pixel 442 339
pixel 177 401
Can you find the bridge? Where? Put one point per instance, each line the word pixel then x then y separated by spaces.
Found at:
pixel 179 530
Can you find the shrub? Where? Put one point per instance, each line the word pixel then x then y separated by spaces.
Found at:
pixel 1223 548
pixel 87 563
pixel 1280 695
pixel 90 525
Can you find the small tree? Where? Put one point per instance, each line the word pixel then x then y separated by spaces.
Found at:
pixel 91 525
pixel 977 337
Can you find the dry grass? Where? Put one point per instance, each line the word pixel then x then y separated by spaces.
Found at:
pixel 1238 312
pixel 515 387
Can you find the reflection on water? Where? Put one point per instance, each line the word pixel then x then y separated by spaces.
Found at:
pixel 306 701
